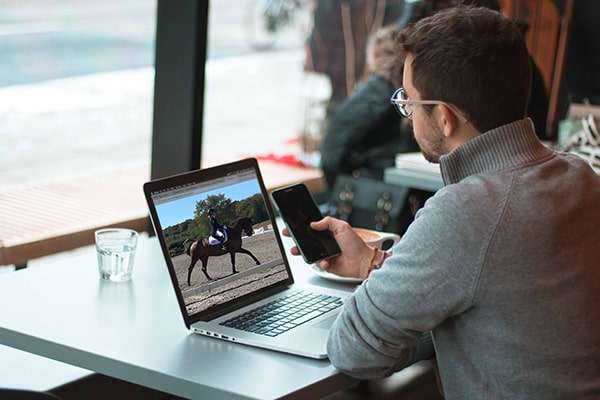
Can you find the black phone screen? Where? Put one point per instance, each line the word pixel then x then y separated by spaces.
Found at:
pixel 298 210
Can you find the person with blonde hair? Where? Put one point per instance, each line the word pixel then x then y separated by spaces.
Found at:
pixel 365 133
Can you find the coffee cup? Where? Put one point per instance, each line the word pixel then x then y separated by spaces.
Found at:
pixel 380 240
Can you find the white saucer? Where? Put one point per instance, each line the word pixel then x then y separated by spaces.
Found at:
pixel 333 277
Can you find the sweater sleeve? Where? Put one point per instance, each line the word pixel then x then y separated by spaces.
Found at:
pixel 430 277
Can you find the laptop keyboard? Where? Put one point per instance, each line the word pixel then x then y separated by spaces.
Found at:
pixel 285 313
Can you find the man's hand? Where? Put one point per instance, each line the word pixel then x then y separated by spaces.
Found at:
pixel 356 255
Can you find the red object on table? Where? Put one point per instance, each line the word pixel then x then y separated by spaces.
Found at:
pixel 287 159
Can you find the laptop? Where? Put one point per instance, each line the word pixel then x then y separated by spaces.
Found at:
pixel 240 290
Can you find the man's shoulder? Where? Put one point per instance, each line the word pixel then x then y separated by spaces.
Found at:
pixel 576 162
pixel 474 193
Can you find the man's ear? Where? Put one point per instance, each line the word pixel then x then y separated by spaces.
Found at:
pixel 447 120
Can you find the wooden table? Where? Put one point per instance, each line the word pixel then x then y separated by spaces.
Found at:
pixel 50 217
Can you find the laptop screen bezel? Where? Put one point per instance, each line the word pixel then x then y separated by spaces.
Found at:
pixel 199 176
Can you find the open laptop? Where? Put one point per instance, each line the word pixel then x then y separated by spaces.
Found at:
pixel 258 304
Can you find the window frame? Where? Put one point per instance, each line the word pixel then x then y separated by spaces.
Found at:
pixel 180 59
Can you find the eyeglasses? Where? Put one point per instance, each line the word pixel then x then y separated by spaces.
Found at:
pixel 404 106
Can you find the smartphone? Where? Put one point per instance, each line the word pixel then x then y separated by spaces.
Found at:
pixel 298 210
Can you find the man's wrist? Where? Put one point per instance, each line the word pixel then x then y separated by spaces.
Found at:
pixel 377 259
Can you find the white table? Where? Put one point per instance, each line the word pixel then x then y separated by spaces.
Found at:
pixel 413 171
pixel 26 371
pixel 134 331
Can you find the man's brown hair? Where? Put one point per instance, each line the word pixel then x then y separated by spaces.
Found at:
pixel 474 58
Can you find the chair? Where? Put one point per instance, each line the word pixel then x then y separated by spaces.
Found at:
pixel 547 41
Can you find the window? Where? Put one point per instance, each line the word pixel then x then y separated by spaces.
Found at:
pixel 76 84
pixel 258 98
pixel 76 96
pixel 277 68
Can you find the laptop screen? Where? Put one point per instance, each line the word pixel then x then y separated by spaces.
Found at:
pixel 203 223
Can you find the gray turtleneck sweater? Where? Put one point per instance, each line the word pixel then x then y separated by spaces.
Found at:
pixel 502 265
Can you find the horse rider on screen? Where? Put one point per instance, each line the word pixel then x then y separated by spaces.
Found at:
pixel 218 230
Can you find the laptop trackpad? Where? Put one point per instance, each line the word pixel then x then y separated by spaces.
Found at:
pixel 326 323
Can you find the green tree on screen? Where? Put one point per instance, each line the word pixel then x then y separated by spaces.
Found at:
pixel 222 205
pixel 227 212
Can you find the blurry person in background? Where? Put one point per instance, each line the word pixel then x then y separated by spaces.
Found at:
pixel 364 134
pixel 337 42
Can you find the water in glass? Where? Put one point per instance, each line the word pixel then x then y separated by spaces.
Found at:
pixel 116 250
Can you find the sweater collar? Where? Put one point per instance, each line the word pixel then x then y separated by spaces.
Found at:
pixel 507 146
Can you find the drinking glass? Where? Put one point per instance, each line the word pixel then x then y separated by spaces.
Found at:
pixel 116 250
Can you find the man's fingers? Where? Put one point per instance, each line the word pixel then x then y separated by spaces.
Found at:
pixel 295 251
pixel 331 224
pixel 325 265
pixel 322 225
pixel 285 232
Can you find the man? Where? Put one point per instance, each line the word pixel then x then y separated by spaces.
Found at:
pixel 502 264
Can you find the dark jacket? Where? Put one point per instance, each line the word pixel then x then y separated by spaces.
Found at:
pixel 364 133
pixel 216 226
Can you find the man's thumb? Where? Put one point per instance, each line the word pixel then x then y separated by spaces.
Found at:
pixel 321 225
